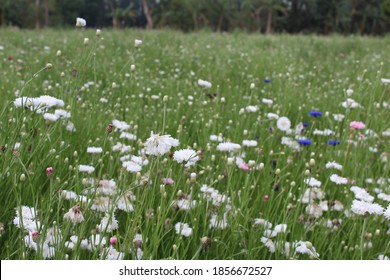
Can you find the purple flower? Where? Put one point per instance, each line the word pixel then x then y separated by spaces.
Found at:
pixel 304 142
pixel 315 113
pixel 333 142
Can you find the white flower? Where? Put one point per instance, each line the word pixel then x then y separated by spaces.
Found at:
pixel 263 222
pixel 158 145
pixel 385 81
pixel 80 22
pixel 362 194
pixel 272 116
pixel 185 204
pixel 50 118
pixel 385 197
pixel 314 210
pixel 303 247
pixel 386 213
pixel 269 244
pixel 338 117
pixel 183 229
pixel 95 241
pixel 74 214
pixel 122 148
pixel 106 187
pixel 68 195
pixel 283 123
pixel 338 179
pixel 350 104
pixel 312 182
pixel 218 222
pixel 128 136
pixel 228 147
pixel 186 155
pixel 251 108
pixel 267 101
pixel 140 254
pixel 382 257
pixel 120 125
pixel 311 194
pixel 70 127
pixel 108 223
pixel 291 143
pixel 111 254
pixel 124 202
pixel 132 166
pixel 334 165
pixel 361 208
pixel 137 42
pixel 204 83
pixel 280 228
pixel 216 138
pixel 62 114
pixel 94 150
pixel 249 143
pixel 38 104
pixel 86 168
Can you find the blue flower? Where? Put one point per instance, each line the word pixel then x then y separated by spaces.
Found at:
pixel 304 142
pixel 315 113
pixel 267 80
pixel 333 142
pixel 305 124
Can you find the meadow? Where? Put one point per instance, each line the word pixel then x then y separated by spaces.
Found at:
pixel 163 145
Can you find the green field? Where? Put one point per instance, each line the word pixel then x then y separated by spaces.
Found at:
pixel 286 154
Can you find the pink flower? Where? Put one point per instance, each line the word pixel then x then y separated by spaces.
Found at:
pixel 35 236
pixel 168 181
pixel 49 171
pixel 357 125
pixel 113 240
pixel 265 198
pixel 243 166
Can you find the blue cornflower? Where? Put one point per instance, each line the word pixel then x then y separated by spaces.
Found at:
pixel 333 142
pixel 267 80
pixel 305 124
pixel 304 142
pixel 315 113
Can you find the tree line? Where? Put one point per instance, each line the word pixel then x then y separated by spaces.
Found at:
pixel 262 16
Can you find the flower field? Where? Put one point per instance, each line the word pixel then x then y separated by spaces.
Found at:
pixel 164 145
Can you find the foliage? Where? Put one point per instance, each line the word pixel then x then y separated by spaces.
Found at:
pixel 264 16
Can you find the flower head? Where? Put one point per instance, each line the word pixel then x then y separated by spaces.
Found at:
pixel 361 208
pixel 168 181
pixel 283 123
pixel 304 142
pixel 80 22
pixel 183 229
pixel 189 156
pixel 49 171
pixel 74 214
pixel 204 83
pixel 315 113
pixel 333 142
pixel 137 42
pixel 228 147
pixel 357 125
pixel 159 145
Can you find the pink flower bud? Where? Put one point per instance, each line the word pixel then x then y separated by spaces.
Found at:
pixel 244 166
pixel 113 240
pixel 265 198
pixel 49 171
pixel 168 181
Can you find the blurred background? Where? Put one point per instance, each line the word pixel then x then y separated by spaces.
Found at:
pixel 369 17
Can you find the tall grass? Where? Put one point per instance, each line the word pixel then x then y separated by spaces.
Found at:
pixel 154 88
